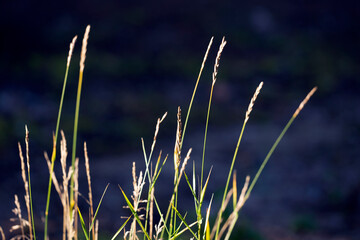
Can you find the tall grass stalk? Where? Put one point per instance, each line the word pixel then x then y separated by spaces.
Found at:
pixel 214 78
pixel 195 89
pixel 301 106
pixel 77 109
pixel 30 200
pixel 25 173
pixel 247 114
pixel 230 223
pixel 53 156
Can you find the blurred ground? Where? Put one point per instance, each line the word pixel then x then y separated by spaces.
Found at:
pixel 143 60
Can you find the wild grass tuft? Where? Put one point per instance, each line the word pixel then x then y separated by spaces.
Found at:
pixel 143 203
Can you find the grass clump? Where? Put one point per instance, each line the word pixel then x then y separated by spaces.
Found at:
pixel 143 203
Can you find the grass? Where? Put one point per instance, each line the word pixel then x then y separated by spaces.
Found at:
pixel 143 204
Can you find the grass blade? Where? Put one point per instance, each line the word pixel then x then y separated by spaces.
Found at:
pixel 205 186
pixel 183 220
pixel 192 191
pixel 207 225
pixel 83 225
pixel 135 214
pixel 121 228
pixel 97 209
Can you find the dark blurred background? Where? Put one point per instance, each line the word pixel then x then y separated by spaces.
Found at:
pixel 143 59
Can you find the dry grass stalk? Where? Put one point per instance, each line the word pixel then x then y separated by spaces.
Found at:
pixel 177 149
pixel 63 190
pixel 71 49
pixel 53 176
pixel 222 209
pixel 159 121
pixel 83 49
pixel 87 166
pixel 22 222
pixel 27 196
pixel 302 104
pixel 217 60
pixel 184 164
pixel 23 175
pixel 251 105
pixel 138 183
pixel 96 236
pixel 26 184
pixel 158 229
pixel 151 212
pixel 240 203
pixel 2 233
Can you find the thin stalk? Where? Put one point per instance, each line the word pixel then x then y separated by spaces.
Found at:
pixel 31 206
pixel 205 137
pixel 268 157
pixel 203 160
pixel 75 138
pixel 176 184
pixel 195 88
pixel 301 106
pixel 53 155
pixel 247 115
pixel 228 179
pixel 77 108
pixel 214 78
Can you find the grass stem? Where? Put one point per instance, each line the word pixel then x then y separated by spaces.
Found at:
pixel 53 156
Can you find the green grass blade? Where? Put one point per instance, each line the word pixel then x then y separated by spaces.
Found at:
pixel 161 215
pixel 98 207
pixel 180 225
pixel 121 228
pixel 83 225
pixel 205 186
pixel 135 214
pixel 183 220
pixel 192 191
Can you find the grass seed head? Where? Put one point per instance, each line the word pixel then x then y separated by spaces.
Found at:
pixel 251 105
pixel 71 49
pixel 217 60
pixel 302 104
pixel 84 47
